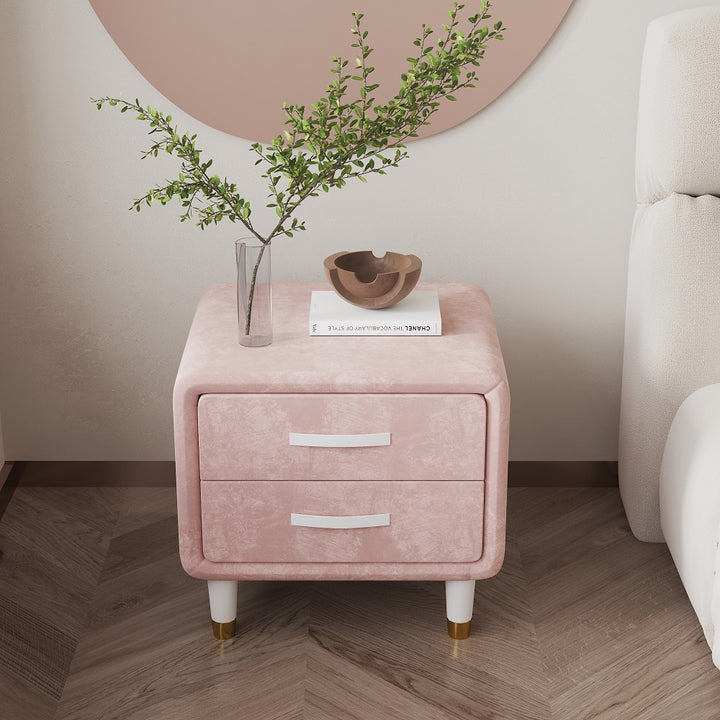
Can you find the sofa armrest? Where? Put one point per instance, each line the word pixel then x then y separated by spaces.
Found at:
pixel 690 504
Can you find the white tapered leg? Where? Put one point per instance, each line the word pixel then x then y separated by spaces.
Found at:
pixel 223 607
pixel 459 598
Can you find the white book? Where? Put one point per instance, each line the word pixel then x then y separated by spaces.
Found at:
pixel 417 314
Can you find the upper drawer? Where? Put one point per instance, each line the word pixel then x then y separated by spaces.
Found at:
pixel 341 437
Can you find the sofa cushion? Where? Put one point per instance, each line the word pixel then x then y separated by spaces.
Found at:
pixel 678 133
pixel 672 339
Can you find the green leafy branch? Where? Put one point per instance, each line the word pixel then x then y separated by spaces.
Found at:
pixel 335 140
pixel 201 193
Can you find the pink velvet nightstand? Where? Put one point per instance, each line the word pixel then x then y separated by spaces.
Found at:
pixel 341 458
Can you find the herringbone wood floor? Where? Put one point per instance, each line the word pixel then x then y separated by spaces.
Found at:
pixel 98 621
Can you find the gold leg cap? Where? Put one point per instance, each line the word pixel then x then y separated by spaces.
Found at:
pixel 223 631
pixel 458 631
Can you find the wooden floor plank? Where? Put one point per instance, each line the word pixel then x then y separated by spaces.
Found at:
pixel 150 664
pixel 339 688
pixel 618 636
pixel 20 699
pixel 410 650
pixel 53 545
pixel 98 619
pixel 143 506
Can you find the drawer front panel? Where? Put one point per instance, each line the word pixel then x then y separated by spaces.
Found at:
pixel 342 521
pixel 341 437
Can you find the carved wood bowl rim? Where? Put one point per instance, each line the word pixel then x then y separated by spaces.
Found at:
pixel 371 281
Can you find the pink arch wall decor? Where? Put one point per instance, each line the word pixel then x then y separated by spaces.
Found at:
pixel 232 64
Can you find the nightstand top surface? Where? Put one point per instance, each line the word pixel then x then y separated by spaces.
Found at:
pixel 466 358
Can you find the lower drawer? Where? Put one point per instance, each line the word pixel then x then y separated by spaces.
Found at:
pixel 340 521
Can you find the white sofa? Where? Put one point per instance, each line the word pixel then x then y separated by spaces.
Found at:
pixel 669 454
pixel 672 336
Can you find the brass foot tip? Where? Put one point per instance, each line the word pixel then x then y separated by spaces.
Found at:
pixel 223 631
pixel 458 631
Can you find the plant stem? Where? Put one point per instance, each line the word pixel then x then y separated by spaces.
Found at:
pixel 253 281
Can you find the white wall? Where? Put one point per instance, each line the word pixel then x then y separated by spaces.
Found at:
pixel 532 198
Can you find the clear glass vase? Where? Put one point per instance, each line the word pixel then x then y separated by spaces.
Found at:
pixel 254 292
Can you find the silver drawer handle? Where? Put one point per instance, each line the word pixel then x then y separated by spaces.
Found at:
pixel 339 521
pixel 341 441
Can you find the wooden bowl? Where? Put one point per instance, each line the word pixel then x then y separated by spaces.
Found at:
pixel 373 282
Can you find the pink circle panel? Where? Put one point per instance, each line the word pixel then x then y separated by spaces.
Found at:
pixel 232 63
